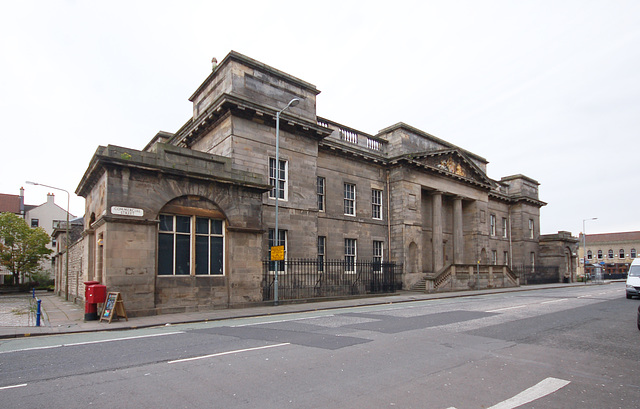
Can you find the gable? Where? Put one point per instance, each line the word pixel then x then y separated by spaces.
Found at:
pixel 454 163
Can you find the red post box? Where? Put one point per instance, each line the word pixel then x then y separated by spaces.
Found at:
pixel 91 295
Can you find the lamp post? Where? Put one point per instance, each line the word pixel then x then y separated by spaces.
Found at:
pixel 66 263
pixel 584 246
pixel 292 103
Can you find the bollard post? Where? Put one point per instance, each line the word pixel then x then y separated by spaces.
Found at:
pixel 38 313
pixel 33 294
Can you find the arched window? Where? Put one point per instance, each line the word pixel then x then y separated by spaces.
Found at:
pixel 621 254
pixel 633 253
pixel 589 255
pixel 610 253
pixel 599 254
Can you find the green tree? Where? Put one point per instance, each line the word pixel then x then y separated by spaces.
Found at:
pixel 21 247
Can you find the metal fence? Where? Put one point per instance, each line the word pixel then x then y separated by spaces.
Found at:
pixel 311 278
pixel 537 275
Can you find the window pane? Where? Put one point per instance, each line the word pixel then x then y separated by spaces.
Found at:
pixel 202 254
pixel 202 225
pixel 216 226
pixel 166 223
pixel 217 255
pixel 182 254
pixel 165 254
pixel 183 224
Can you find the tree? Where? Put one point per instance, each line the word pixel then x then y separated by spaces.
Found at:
pixel 21 247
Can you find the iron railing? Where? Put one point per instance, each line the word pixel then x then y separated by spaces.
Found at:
pixel 537 275
pixel 311 278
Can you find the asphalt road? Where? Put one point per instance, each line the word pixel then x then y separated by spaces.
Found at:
pixel 575 347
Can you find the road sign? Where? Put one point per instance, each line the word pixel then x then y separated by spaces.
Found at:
pixel 277 253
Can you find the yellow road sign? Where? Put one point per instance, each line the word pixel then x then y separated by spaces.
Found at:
pixel 277 253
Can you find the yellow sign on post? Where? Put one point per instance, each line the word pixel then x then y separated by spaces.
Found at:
pixel 277 253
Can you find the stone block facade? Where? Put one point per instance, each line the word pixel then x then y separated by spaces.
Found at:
pixel 401 195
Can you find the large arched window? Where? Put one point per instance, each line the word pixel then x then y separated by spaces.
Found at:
pixel 633 253
pixel 589 255
pixel 599 254
pixel 621 254
pixel 610 253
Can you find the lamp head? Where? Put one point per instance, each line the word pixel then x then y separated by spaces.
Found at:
pixel 294 102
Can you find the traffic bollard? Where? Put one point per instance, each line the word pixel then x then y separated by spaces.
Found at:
pixel 38 314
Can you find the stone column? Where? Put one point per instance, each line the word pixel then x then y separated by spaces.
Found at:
pixel 436 244
pixel 458 239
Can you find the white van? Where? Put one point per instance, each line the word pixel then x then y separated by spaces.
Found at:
pixel 633 279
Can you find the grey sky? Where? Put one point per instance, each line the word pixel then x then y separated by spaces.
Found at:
pixel 549 89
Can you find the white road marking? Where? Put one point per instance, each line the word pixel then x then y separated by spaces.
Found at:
pixel 507 308
pixel 541 389
pixel 92 342
pixel 277 321
pixel 237 351
pixel 13 386
pixel 549 302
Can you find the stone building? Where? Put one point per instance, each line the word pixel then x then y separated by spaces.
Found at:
pixel 185 222
pixel 613 251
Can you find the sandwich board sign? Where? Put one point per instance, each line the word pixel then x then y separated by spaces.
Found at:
pixel 113 306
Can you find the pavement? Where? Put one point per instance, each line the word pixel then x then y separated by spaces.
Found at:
pixel 18 311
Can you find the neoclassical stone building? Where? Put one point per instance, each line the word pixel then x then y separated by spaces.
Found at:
pixel 185 222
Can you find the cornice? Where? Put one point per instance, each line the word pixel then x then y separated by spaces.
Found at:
pixel 236 105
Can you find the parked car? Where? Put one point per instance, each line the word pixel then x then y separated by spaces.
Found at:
pixel 633 279
pixel 639 317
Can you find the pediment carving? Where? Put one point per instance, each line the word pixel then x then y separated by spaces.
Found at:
pixel 453 162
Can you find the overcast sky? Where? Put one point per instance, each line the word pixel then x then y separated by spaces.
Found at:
pixel 548 89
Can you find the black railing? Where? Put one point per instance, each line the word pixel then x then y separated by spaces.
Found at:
pixel 537 275
pixel 310 278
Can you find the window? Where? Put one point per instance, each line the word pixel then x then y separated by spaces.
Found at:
pixel 633 253
pixel 589 255
pixel 190 245
pixel 282 241
pixel 494 257
pixel 35 223
pixel 321 252
pixel 376 204
pixel 278 179
pixel 349 199
pixel 504 227
pixel 531 232
pixel 492 224
pixel 506 258
pixel 599 254
pixel 621 253
pixel 378 248
pixel 320 188
pixel 610 253
pixel 350 255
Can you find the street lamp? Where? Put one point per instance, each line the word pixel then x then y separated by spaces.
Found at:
pixel 292 103
pixel 584 246
pixel 66 263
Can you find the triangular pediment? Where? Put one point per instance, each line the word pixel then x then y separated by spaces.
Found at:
pixel 454 163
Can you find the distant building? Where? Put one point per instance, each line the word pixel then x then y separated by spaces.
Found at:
pixel 45 215
pixel 12 203
pixel 613 251
pixel 186 222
